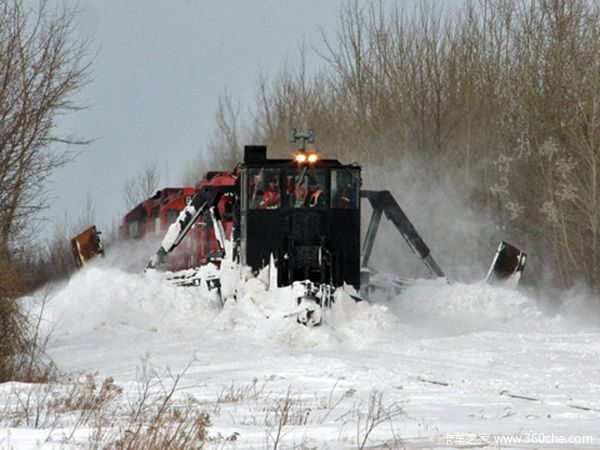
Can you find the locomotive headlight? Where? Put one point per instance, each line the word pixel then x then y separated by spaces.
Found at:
pixel 313 158
pixel 301 157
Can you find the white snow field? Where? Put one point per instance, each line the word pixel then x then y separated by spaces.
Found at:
pixel 441 366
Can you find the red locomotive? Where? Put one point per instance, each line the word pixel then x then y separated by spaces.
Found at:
pixel 154 215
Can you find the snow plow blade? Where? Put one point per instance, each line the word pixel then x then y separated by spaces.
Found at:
pixel 507 266
pixel 86 245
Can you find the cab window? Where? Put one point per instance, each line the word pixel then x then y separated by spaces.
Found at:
pixel 133 229
pixel 306 189
pixel 228 210
pixel 345 189
pixel 263 188
pixel 156 219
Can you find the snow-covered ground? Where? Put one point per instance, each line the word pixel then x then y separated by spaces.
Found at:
pixel 441 366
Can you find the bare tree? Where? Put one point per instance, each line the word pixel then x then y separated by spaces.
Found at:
pixel 225 144
pixel 223 149
pixel 141 187
pixel 41 67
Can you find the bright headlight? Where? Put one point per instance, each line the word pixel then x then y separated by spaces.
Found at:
pixel 301 157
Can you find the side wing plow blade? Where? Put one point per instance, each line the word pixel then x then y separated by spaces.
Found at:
pixel 507 266
pixel 86 245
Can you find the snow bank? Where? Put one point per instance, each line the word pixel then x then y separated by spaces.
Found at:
pixel 265 314
pixel 108 297
pixel 101 296
pixel 441 308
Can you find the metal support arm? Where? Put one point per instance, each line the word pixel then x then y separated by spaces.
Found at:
pixel 204 199
pixel 384 202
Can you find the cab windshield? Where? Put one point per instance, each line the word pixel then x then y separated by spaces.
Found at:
pixel 303 187
pixel 306 188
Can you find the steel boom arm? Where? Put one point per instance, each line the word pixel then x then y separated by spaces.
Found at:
pixel 383 202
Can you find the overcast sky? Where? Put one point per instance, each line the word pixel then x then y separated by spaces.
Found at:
pixel 158 71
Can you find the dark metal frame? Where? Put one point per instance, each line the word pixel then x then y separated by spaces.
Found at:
pixel 383 202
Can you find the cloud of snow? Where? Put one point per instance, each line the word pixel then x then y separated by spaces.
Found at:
pixel 579 307
pixel 461 239
pixel 130 255
pixel 97 297
pixel 103 298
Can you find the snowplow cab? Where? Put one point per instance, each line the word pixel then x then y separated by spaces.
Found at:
pixel 305 211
